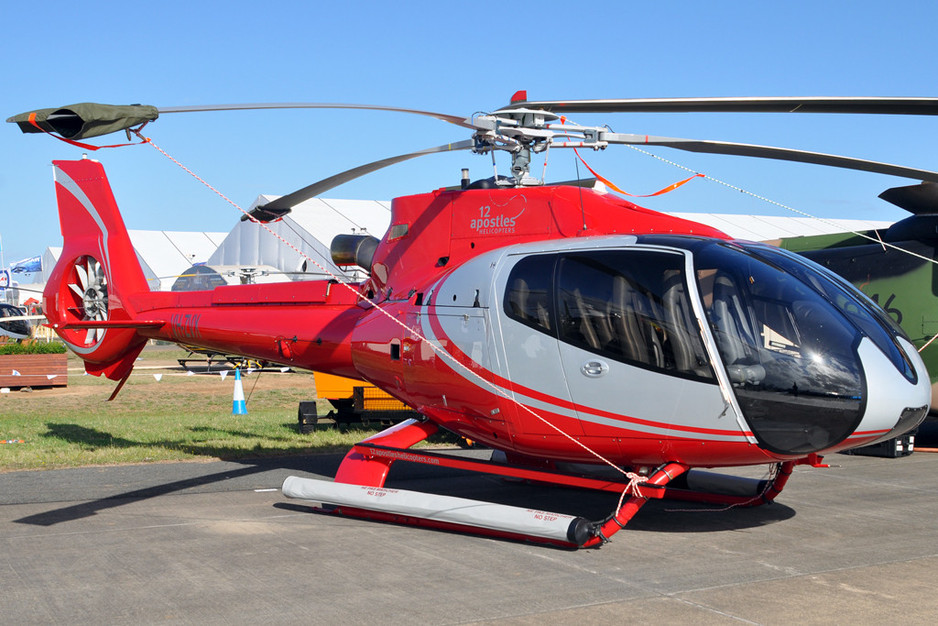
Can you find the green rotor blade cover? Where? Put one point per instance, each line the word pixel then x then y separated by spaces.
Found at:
pixel 86 119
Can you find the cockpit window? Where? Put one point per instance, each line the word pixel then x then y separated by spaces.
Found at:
pixel 866 315
pixel 528 296
pixel 628 305
pixel 631 306
pixel 787 350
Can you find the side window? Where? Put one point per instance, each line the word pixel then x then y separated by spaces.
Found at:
pixel 528 294
pixel 631 306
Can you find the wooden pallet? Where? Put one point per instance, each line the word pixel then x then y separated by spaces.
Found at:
pixel 35 370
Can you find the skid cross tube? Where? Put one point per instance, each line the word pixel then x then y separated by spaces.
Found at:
pixel 374 451
pixel 617 521
pixel 369 461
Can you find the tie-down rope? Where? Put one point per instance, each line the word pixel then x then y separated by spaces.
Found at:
pixel 635 480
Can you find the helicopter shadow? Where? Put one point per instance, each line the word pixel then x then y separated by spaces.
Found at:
pixel 672 516
pixel 158 479
pixel 655 516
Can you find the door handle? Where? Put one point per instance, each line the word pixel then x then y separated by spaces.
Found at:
pixel 594 368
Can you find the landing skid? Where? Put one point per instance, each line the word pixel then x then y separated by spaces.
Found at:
pixel 358 491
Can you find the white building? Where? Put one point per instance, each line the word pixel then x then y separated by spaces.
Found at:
pixel 293 248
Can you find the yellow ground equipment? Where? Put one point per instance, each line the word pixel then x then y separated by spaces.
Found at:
pixel 353 402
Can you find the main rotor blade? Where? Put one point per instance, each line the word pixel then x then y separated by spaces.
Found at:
pixel 452 119
pixel 89 119
pixel 282 205
pixel 769 152
pixel 883 106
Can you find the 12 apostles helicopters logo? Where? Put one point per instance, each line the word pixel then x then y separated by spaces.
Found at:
pixel 488 224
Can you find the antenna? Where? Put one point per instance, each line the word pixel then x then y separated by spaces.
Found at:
pixel 580 191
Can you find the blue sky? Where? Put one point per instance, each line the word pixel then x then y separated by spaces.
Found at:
pixel 456 58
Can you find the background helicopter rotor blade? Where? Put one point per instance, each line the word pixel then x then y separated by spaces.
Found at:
pixel 282 205
pixel 921 199
pixel 883 106
pixel 770 152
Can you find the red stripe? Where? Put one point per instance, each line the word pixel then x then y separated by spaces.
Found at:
pixel 869 433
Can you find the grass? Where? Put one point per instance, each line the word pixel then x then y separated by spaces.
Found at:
pixel 32 347
pixel 177 418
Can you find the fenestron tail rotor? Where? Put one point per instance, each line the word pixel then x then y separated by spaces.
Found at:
pixel 89 288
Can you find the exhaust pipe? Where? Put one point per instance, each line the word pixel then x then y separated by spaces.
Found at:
pixel 354 250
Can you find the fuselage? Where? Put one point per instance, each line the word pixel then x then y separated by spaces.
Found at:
pixel 554 323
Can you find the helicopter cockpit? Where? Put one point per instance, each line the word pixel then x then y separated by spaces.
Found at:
pixel 14 328
pixel 796 344
pixel 788 336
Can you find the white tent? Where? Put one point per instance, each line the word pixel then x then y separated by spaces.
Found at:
pixel 307 231
pixel 163 254
pixel 772 227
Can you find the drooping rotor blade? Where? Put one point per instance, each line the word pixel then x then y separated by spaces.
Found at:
pixel 921 199
pixel 84 120
pixel 88 119
pixel 282 205
pixel 769 152
pixel 452 119
pixel 884 106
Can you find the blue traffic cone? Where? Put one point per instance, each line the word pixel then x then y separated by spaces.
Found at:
pixel 238 407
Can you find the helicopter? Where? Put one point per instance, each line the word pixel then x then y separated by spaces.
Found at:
pixel 566 328
pixel 14 323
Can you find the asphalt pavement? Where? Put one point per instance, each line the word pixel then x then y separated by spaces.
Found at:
pixel 215 542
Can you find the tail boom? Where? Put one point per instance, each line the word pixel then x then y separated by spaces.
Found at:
pixel 311 331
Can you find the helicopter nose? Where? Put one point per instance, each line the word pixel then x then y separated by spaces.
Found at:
pixel 894 404
pixel 835 400
pixel 814 365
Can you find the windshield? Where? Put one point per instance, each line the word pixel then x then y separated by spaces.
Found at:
pixel 790 354
pixel 864 313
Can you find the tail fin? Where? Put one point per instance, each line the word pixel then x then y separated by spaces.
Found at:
pixel 86 298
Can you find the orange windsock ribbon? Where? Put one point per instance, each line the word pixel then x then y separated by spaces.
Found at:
pixel 613 186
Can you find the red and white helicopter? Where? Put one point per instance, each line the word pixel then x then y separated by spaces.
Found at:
pixel 563 327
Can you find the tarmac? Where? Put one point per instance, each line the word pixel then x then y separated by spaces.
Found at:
pixel 216 543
